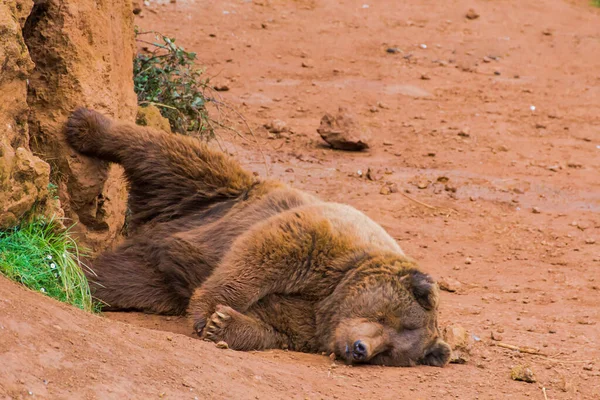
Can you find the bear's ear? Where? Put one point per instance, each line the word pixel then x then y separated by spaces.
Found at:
pixel 437 355
pixel 423 288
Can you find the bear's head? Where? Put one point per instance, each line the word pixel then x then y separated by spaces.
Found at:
pixel 386 314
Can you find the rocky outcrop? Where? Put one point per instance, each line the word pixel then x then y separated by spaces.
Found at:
pixel 83 52
pixel 23 176
pixel 57 55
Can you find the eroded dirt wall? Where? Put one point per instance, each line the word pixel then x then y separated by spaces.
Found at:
pixel 83 51
pixel 23 176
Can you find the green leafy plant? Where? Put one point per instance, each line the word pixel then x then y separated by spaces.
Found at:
pixel 165 76
pixel 45 258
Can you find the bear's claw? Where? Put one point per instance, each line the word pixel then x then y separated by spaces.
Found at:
pixel 216 325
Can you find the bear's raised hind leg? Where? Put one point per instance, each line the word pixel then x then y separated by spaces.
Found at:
pixel 170 175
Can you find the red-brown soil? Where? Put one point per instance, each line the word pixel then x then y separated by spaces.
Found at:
pixel 515 217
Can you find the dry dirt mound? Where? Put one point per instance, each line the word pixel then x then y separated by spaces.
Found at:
pixel 50 350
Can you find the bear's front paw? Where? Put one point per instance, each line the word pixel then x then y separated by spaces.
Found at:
pixel 217 324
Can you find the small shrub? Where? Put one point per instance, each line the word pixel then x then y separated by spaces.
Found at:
pixel 44 258
pixel 165 76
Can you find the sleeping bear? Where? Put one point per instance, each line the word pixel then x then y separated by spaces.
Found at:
pixel 253 262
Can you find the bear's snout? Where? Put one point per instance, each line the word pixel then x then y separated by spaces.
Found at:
pixel 360 351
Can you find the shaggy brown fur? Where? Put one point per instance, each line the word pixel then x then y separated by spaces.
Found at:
pixel 254 262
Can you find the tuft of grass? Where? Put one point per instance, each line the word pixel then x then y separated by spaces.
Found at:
pixel 165 76
pixel 46 259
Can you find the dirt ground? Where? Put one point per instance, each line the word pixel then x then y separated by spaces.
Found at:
pixel 490 127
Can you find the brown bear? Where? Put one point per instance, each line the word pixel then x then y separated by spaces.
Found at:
pixel 254 262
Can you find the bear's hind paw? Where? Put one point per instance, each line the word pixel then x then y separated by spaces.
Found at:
pixel 82 129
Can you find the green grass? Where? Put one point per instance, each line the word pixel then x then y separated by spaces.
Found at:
pixel 596 3
pixel 46 259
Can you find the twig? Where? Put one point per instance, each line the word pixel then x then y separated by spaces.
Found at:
pixel 418 202
pixel 240 116
pixel 527 350
pixel 544 391
pixel 536 352
pixel 229 128
pixel 152 103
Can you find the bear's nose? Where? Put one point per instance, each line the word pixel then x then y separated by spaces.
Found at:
pixel 360 351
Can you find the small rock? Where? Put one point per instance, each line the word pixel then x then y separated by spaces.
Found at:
pixel 459 357
pixel 468 260
pixel 588 367
pixel 343 132
pixel 456 336
pixel 307 64
pixel 547 32
pixel 449 284
pixel 393 50
pixel 276 126
pixel 423 184
pixel 386 143
pixel 472 14
pixel 332 356
pixel 222 345
pixel 388 188
pixel 458 339
pixel 536 210
pixel 590 241
pixel 522 373
pixel 289 170
pixel 496 336
pixel 370 175
pixel 464 132
pixel 450 188
pixel 425 77
pixel 221 88
pixel 486 59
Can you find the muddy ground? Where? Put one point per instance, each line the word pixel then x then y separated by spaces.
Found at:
pixel 490 128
